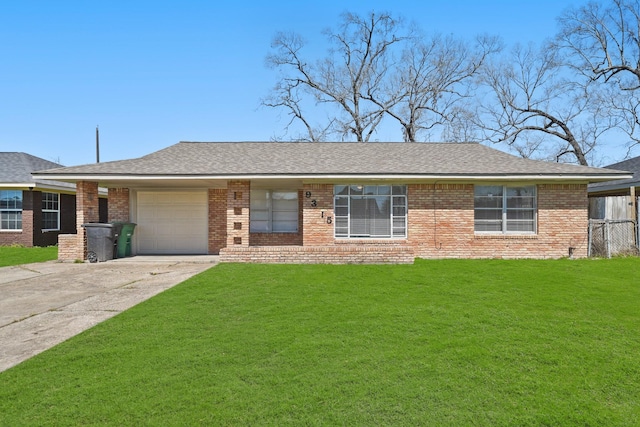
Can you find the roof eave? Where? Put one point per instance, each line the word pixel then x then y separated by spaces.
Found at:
pixel 337 176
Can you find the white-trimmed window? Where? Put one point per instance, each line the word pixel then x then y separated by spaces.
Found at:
pixel 273 211
pixel 10 209
pixel 370 211
pixel 50 211
pixel 505 209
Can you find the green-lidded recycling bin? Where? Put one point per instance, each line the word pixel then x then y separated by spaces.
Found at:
pixel 124 239
pixel 101 240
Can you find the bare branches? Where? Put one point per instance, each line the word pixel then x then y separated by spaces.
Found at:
pixel 603 41
pixel 535 110
pixel 356 65
pixel 377 69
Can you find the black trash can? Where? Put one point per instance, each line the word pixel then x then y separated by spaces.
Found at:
pixel 101 240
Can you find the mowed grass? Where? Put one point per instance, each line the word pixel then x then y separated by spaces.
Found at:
pixel 441 342
pixel 16 255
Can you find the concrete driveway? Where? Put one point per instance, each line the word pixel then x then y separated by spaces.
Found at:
pixel 44 304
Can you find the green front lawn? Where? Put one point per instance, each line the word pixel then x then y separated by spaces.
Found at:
pixel 443 342
pixel 16 255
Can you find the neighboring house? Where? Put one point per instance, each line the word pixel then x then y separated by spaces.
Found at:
pixel 616 199
pixel 33 212
pixel 339 202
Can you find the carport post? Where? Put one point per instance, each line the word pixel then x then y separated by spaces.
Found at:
pixel 87 211
pixel 238 213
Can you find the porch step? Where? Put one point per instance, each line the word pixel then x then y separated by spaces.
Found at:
pixel 343 254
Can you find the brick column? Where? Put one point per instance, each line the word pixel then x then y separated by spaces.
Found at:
pixel 119 205
pixel 238 213
pixel 86 211
pixel 318 216
pixel 217 220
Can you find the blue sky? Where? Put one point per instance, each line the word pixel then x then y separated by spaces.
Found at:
pixel 152 73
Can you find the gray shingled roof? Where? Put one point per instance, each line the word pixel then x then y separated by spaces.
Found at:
pixel 631 165
pixel 227 159
pixel 17 167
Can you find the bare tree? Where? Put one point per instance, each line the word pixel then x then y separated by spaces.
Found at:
pixel 357 64
pixel 602 40
pixel 432 80
pixel 536 111
pixel 378 71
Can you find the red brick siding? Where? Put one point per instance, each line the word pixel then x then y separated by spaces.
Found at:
pixel 275 239
pixel 563 218
pixel 70 247
pixel 217 220
pixel 119 209
pixel 11 237
pixel 440 225
pixel 317 232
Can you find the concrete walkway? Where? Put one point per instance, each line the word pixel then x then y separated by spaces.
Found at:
pixel 44 304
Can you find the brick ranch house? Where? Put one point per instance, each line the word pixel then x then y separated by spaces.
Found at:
pixel 339 202
pixel 34 212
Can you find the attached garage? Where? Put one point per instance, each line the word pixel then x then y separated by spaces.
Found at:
pixel 172 222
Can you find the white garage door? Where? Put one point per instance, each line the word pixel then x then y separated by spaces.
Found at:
pixel 172 222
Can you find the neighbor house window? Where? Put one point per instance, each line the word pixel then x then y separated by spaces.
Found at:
pixel 50 211
pixel 274 211
pixel 10 209
pixel 370 211
pixel 505 209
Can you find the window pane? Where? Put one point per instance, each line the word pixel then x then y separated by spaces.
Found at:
pixel 291 196
pixel 356 189
pixel 371 190
pixel 50 201
pixel 341 190
pixel 492 226
pixel 399 190
pixel 342 227
pixel 259 199
pixel 399 211
pixel 523 226
pixel 486 202
pixel 342 211
pixel 284 226
pixel 358 214
pixel 399 227
pixel 384 190
pixel 521 214
pixel 11 199
pixel 259 226
pixel 488 190
pixel 488 214
pixel 259 215
pixel 50 220
pixel 520 202
pixel 291 216
pixel 342 201
pixel 528 191
pixel 11 220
